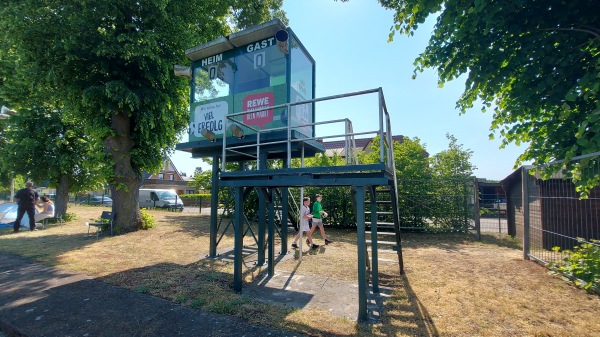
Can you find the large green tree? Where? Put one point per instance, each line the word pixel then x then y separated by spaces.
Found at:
pixel 48 145
pixel 111 63
pixel 535 62
pixel 42 141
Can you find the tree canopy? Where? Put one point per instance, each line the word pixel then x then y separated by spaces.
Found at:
pixel 534 62
pixel 453 163
pixel 111 64
pixel 47 145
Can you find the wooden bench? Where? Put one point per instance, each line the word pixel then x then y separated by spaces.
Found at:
pixel 45 222
pixel 108 217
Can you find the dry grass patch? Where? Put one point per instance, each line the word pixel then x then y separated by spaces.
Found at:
pixel 454 286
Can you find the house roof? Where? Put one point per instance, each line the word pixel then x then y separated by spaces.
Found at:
pixel 516 175
pixel 178 182
pixel 168 167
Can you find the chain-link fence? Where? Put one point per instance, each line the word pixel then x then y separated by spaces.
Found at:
pixel 437 205
pixel 554 214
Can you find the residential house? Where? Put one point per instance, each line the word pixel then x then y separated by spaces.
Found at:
pixel 169 178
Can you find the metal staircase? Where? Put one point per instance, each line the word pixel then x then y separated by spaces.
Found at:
pixel 384 242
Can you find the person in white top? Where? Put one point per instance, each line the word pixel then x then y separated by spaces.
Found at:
pixel 304 227
pixel 47 211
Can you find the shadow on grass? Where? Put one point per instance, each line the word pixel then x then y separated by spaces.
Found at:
pixel 502 240
pixel 48 244
pixel 44 247
pixel 207 285
pixel 404 313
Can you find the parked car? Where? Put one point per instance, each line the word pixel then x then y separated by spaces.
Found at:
pixel 160 198
pixel 97 200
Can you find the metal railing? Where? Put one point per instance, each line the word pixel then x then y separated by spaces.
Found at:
pixel 384 131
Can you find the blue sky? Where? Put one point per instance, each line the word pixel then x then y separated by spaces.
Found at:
pixel 349 44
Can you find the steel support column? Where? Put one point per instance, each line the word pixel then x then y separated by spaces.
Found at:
pixel 361 243
pixel 374 248
pixel 262 215
pixel 284 216
pixel 262 219
pixel 271 236
pixel 214 208
pixel 239 239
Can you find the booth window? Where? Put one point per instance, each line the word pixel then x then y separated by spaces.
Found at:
pixel 259 69
pixel 213 80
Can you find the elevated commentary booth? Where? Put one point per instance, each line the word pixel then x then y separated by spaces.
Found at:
pixel 252 99
pixel 262 67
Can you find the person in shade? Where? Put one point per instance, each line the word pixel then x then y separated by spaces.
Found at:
pixel 26 199
pixel 304 227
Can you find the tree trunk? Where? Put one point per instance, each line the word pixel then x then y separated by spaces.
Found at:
pixel 126 181
pixel 62 195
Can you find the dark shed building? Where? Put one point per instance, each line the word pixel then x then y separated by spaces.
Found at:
pixel 556 214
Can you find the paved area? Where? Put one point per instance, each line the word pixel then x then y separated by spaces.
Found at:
pixel 339 298
pixel 37 300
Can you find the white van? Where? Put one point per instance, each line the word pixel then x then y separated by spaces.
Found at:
pixel 160 198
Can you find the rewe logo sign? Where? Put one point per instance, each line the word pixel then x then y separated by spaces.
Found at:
pixel 255 102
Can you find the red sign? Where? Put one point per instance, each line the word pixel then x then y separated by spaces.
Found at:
pixel 255 102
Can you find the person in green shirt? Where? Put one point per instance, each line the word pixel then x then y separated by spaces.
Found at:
pixel 317 219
